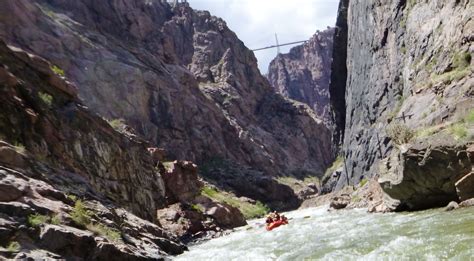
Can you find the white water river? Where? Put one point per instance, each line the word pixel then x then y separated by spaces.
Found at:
pixel 316 234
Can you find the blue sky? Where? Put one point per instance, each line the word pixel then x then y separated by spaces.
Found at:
pixel 256 21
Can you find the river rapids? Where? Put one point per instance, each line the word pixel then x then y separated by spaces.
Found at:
pixel 317 234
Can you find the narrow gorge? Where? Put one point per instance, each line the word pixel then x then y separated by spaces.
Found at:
pixel 136 129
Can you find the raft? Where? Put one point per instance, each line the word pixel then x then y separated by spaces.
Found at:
pixel 276 224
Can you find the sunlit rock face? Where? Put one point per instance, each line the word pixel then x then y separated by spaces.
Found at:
pixel 304 73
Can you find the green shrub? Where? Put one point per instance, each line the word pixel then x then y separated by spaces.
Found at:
pixel 72 197
pixel 46 98
pixel 55 220
pixel 58 70
pixel 198 208
pixel 426 132
pixel 36 220
pixel 469 119
pixel 400 133
pixel 117 124
pixel 107 232
pixel 208 191
pixel 80 214
pixel 458 130
pixel 461 60
pixel 13 247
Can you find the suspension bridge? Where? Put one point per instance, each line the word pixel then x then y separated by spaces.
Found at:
pixel 277 45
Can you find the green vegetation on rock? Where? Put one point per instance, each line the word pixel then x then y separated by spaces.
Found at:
pixel 46 98
pixel 104 231
pixel 83 217
pixel 458 130
pixel 459 69
pixel 36 220
pixel 469 119
pixel 400 133
pixel 249 210
pixel 58 70
pixel 117 124
pixel 80 214
pixel 13 247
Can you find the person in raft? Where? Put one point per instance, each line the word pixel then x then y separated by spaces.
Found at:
pixel 275 216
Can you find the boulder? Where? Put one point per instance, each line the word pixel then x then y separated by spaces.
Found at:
pixel 467 203
pixel 67 241
pixel 226 216
pixel 158 154
pixel 307 192
pixel 465 187
pixel 417 175
pixel 451 206
pixel 11 188
pixel 9 155
pixel 181 220
pixel 339 202
pixel 16 209
pixel 181 181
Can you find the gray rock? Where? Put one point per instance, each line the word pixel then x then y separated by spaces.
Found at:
pixel 397 67
pixel 340 202
pixel 417 175
pixel 467 203
pixel 67 241
pixel 451 206
pixel 465 187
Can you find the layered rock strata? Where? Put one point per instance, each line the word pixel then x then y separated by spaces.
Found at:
pixel 69 182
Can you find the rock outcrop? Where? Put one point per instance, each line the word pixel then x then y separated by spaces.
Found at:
pixel 304 73
pixel 409 68
pixel 179 77
pixel 423 175
pixel 69 183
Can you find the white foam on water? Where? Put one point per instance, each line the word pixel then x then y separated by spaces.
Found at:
pixel 316 234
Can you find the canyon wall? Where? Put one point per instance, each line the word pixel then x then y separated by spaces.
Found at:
pixel 409 79
pixel 304 73
pixel 182 79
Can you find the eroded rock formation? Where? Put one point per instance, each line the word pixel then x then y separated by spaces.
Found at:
pixel 303 74
pixel 179 77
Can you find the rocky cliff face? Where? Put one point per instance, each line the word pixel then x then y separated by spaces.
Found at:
pixel 179 77
pixel 409 75
pixel 303 74
pixel 69 183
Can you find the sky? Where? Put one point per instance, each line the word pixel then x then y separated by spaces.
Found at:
pixel 256 21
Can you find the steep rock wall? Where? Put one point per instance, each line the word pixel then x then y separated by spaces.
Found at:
pixel 337 85
pixel 55 152
pixel 179 77
pixel 303 74
pixel 408 64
